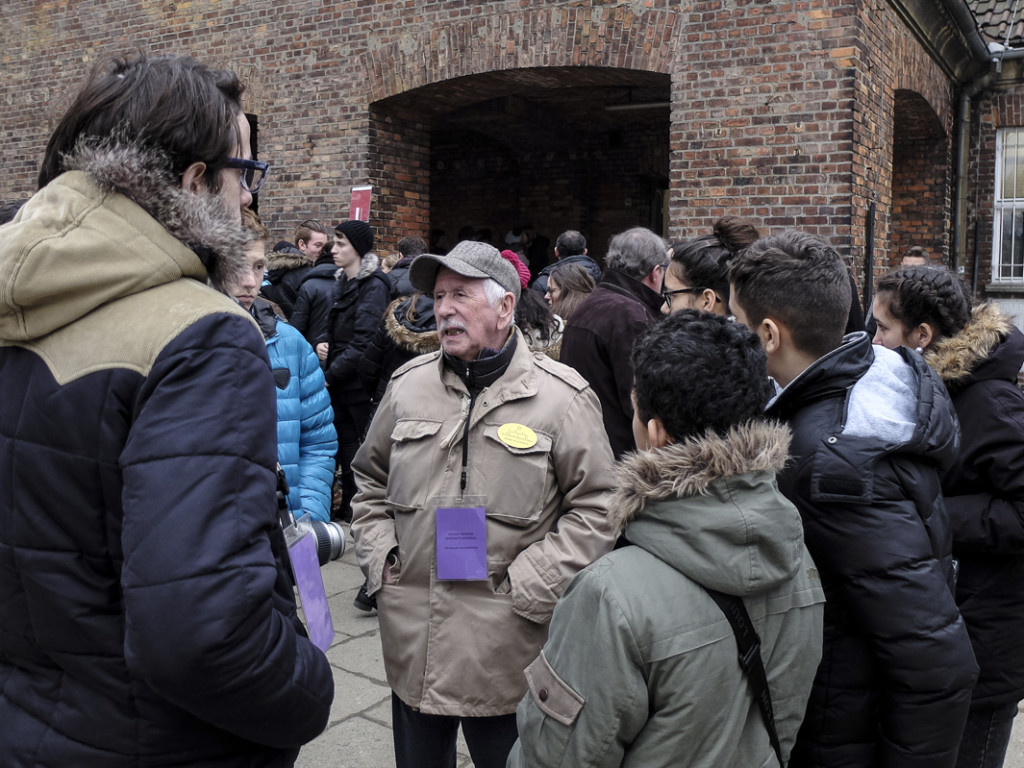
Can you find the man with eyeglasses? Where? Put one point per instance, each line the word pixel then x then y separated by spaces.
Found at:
pixel 146 602
pixel 599 336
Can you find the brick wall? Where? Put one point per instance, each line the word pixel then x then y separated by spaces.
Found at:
pixel 921 187
pixel 992 111
pixel 781 111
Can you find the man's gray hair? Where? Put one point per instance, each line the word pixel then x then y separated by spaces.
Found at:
pixel 494 291
pixel 636 252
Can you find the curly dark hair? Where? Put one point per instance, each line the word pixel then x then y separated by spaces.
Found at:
pixel 696 371
pixel 703 262
pixel 930 295
pixel 532 312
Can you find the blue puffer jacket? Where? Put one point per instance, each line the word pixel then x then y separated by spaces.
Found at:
pixel 306 440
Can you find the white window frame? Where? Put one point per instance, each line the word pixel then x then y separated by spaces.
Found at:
pixel 1008 206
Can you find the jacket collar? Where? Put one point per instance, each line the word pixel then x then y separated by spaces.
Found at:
pixel 688 468
pixel 193 219
pixel 124 227
pixel 367 267
pixel 519 379
pixel 416 334
pixel 988 335
pixel 285 261
pixel 710 507
pixel 828 376
pixel 266 318
pixel 621 283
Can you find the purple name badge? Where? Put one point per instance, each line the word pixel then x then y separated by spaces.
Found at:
pixel 461 543
pixel 312 594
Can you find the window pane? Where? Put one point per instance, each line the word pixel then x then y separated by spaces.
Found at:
pixel 1011 246
pixel 1008 258
pixel 1012 186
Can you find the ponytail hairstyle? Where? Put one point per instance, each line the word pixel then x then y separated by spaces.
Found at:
pixel 930 295
pixel 703 262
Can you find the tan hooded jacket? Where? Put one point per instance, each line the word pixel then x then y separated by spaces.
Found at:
pixel 459 648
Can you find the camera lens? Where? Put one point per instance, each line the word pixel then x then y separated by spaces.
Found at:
pixel 330 540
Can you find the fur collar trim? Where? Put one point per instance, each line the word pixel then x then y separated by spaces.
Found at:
pixel 957 357
pixel 367 267
pixel 286 261
pixel 688 468
pixel 197 220
pixel 405 335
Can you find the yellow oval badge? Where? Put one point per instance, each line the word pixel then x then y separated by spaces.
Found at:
pixel 517 435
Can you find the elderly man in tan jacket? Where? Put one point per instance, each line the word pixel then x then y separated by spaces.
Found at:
pixel 483 489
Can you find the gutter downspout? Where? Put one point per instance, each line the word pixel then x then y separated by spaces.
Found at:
pixel 967 25
pixel 958 253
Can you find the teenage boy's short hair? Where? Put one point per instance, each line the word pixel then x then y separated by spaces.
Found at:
pixel 410 247
pixel 695 371
pixel 307 228
pixel 799 280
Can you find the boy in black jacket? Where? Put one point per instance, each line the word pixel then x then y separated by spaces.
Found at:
pixel 873 428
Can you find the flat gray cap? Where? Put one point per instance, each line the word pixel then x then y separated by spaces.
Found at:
pixel 469 259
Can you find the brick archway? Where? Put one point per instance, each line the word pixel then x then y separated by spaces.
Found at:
pixel 921 189
pixel 612 36
pixel 487 63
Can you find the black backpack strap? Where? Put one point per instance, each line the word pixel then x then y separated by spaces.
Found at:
pixel 748 645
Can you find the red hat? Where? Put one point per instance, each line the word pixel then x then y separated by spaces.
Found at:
pixel 524 272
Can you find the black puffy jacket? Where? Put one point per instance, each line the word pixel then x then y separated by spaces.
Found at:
pixel 147 615
pixel 400 337
pixel 872 430
pixel 359 304
pixel 313 304
pixel 285 271
pixel 984 493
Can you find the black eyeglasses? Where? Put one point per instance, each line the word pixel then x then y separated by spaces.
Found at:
pixel 254 173
pixel 667 294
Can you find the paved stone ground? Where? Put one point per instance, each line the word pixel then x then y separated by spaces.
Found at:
pixel 358 734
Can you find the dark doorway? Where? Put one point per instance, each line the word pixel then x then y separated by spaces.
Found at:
pixel 544 149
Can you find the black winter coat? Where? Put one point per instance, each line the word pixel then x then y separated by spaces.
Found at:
pixel 398 340
pixel 985 496
pixel 872 430
pixel 398 277
pixel 598 342
pixel 356 312
pixel 285 272
pixel 147 613
pixel 313 304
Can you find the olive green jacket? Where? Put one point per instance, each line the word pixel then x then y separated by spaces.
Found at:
pixel 641 665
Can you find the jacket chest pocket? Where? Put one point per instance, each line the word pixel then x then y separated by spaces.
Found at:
pixel 414 460
pixel 516 480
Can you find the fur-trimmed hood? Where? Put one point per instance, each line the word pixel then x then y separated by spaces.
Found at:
pixel 111 226
pixel 417 334
pixel 286 261
pixel 710 507
pixel 989 346
pixel 367 267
